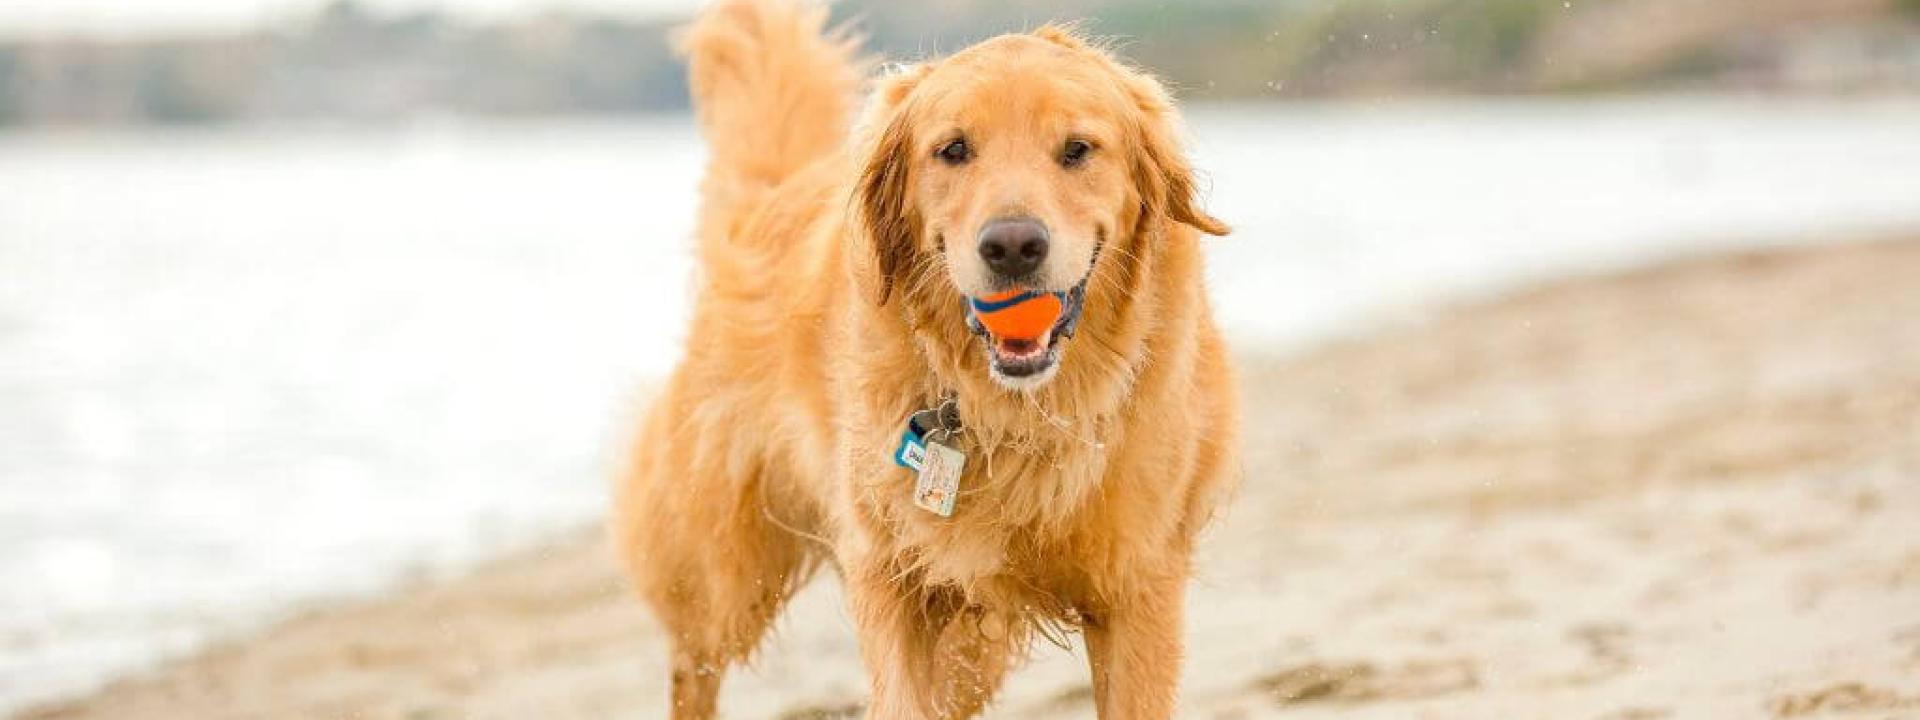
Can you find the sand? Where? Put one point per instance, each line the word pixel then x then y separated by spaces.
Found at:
pixel 1685 492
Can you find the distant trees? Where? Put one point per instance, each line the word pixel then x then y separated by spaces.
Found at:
pixel 346 62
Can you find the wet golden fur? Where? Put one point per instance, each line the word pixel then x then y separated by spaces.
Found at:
pixel 830 308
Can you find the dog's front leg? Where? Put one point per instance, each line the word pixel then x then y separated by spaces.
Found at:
pixel 1134 649
pixel 894 644
pixel 927 656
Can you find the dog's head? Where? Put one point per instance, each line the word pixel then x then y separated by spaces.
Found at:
pixel 1017 165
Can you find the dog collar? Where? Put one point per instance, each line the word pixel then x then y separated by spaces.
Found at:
pixel 938 423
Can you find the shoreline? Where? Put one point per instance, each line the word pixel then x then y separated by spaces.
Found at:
pixel 1686 490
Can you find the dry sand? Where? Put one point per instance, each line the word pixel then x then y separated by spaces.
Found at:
pixel 1687 492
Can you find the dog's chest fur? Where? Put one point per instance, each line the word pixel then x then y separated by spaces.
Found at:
pixel 1018 535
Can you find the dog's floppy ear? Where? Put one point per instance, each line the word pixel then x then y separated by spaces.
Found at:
pixel 888 226
pixel 1160 168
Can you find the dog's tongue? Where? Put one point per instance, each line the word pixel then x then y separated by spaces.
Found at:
pixel 1018 349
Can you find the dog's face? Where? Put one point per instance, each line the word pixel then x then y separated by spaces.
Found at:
pixel 1012 167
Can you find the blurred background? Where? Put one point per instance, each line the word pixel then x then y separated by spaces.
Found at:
pixel 305 302
pixel 227 62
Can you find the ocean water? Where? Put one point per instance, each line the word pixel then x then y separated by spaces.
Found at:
pixel 247 372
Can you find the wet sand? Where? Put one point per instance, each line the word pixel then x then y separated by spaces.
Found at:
pixel 1685 492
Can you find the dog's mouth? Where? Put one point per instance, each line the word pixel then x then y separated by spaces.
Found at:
pixel 1026 362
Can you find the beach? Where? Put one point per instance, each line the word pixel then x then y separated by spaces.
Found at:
pixel 1680 491
pixel 288 369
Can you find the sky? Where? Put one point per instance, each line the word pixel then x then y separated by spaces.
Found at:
pixel 144 17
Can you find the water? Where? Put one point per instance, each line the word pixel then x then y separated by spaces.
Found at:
pixel 243 373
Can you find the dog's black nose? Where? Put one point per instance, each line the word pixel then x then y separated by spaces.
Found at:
pixel 1013 247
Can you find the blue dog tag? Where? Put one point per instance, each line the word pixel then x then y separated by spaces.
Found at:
pixel 912 452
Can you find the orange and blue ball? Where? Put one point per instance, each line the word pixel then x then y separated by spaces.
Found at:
pixel 1019 314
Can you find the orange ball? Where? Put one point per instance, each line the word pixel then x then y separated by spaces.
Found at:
pixel 1018 314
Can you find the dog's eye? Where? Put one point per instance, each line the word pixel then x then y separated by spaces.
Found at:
pixel 1075 153
pixel 955 152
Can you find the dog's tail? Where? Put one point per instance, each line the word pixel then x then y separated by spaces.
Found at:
pixel 774 91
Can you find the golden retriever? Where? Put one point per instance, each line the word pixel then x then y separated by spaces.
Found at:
pixel 837 264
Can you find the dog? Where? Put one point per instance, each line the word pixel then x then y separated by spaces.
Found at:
pixel 842 253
